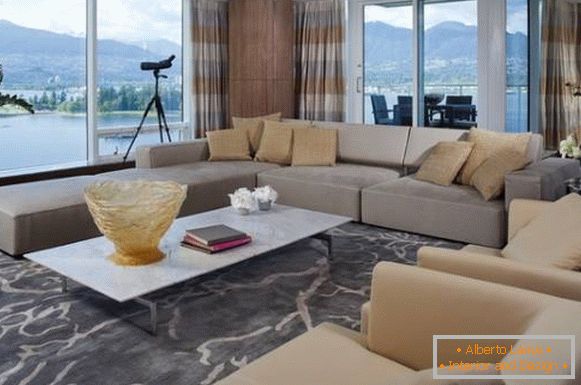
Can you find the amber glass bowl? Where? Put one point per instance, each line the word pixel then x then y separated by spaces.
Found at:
pixel 134 216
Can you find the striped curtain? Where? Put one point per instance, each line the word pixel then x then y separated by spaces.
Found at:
pixel 319 45
pixel 561 55
pixel 210 67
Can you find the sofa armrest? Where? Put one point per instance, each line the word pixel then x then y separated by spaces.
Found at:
pixel 521 212
pixel 409 305
pixel 169 154
pixel 542 180
pixel 543 279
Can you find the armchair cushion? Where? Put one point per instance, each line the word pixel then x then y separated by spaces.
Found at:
pixel 551 238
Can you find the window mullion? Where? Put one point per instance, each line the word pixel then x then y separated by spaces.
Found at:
pixel 91 52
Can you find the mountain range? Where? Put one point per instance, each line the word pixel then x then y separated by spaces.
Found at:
pixel 34 57
pixel 38 58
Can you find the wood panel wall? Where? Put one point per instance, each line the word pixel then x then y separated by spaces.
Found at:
pixel 261 60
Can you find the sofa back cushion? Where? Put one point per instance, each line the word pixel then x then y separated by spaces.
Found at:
pixel 369 144
pixel 423 139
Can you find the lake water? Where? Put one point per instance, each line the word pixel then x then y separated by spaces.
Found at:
pixel 52 138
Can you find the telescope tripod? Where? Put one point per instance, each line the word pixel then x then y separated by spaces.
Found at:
pixel 162 123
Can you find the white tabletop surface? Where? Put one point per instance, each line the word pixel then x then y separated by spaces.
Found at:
pixel 86 262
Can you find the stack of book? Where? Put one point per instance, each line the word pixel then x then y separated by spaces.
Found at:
pixel 213 239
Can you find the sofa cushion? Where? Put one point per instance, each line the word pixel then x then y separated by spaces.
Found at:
pixel 423 139
pixel 551 238
pixel 276 143
pixel 314 147
pixel 335 190
pixel 253 127
pixel 45 214
pixel 488 179
pixel 229 145
pixel 455 212
pixel 485 144
pixel 444 162
pixel 208 182
pixel 369 144
pixel 326 355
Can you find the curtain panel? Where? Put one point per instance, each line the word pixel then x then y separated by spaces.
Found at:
pixel 319 47
pixel 561 56
pixel 210 66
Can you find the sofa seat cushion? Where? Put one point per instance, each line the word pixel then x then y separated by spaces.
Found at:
pixel 326 355
pixel 453 212
pixel 208 182
pixel 39 215
pixel 335 190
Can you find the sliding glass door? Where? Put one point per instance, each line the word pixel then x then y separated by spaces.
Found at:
pixel 450 63
pixel 388 70
pixel 430 63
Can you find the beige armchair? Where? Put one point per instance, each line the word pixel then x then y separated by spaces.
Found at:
pixel 488 264
pixel 408 306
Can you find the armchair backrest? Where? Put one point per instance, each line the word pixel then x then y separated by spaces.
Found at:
pixel 521 212
pixel 459 99
pixel 409 305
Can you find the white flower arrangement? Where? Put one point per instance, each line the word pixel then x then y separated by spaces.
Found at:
pixel 265 194
pixel 243 200
pixel 570 148
pixel 265 197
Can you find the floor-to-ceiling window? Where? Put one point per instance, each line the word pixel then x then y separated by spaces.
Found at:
pixel 47 52
pixel 42 52
pixel 517 64
pixel 388 71
pixel 124 90
pixel 450 63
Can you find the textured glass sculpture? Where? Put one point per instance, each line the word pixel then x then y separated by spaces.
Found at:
pixel 134 216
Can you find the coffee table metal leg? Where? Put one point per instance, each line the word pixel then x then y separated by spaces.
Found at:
pixel 152 305
pixel 328 239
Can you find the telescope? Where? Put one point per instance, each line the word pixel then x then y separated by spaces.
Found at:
pixel 156 66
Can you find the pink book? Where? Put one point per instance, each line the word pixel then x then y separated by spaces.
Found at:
pixel 188 241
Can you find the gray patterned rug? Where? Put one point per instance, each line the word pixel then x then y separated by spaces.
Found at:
pixel 208 327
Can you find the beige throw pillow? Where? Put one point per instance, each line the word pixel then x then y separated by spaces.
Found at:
pixel 276 142
pixel 228 145
pixel 254 127
pixel 551 238
pixel 314 147
pixel 444 162
pixel 489 177
pixel 485 144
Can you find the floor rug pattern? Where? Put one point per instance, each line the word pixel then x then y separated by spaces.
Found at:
pixel 209 327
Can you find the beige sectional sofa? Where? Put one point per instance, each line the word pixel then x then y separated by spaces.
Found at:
pixel 405 311
pixel 372 182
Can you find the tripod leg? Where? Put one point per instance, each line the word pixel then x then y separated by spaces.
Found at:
pixel 162 112
pixel 158 109
pixel 149 105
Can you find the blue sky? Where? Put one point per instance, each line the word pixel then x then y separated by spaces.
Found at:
pixel 149 19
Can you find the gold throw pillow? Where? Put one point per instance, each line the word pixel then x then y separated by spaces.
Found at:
pixel 254 127
pixel 485 144
pixel 489 177
pixel 276 143
pixel 444 162
pixel 314 147
pixel 228 145
pixel 552 238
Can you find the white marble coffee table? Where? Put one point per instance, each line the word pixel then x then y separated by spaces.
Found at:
pixel 86 262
